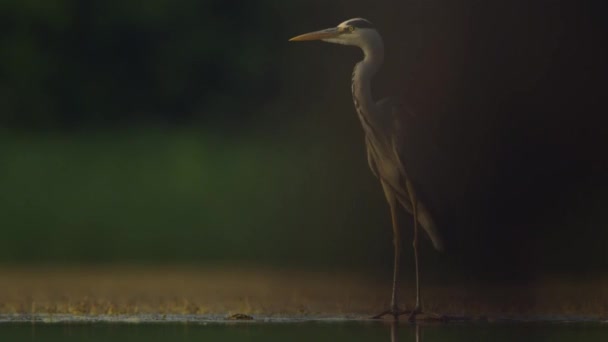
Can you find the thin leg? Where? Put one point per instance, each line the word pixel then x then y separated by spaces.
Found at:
pixel 418 307
pixel 397 244
pixel 415 245
pixel 416 313
pixel 394 309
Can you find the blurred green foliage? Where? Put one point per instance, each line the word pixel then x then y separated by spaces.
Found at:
pixel 163 195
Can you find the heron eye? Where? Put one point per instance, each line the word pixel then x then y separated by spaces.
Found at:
pixel 351 28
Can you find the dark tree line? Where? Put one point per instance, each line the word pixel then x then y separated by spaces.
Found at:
pixel 69 63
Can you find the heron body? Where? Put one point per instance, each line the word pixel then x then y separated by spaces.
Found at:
pixel 385 124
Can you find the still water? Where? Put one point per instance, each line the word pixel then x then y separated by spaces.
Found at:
pixel 373 331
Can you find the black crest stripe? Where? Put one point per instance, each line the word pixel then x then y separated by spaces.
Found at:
pixel 360 23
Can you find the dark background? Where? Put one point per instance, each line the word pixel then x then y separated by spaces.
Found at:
pixel 192 131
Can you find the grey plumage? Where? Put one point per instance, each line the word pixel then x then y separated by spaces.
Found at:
pixel 401 119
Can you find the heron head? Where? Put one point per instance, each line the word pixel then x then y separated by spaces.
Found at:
pixel 357 31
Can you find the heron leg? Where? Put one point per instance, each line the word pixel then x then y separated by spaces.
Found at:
pixel 394 309
pixel 418 307
pixel 397 244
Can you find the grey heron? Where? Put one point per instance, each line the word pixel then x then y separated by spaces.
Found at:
pixel 385 128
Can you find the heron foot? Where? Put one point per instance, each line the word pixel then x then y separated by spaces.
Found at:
pixel 393 312
pixel 415 315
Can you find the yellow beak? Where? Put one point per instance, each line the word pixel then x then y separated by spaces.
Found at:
pixel 317 35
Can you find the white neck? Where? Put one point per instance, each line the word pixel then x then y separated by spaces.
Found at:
pixel 362 76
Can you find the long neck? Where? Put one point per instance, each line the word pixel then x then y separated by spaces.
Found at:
pixel 361 82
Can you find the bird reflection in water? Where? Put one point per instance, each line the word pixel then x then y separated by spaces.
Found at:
pixel 395 332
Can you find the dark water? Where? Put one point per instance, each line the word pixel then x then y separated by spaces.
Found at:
pixel 304 332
